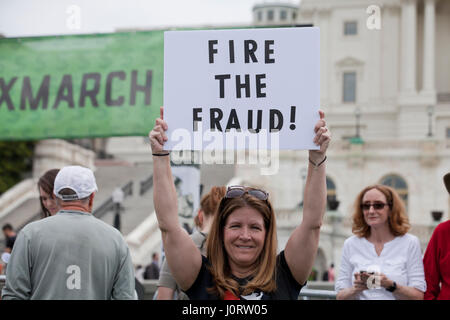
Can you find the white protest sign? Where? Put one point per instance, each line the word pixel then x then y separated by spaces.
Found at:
pixel 222 86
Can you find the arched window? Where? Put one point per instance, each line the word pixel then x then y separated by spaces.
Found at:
pixel 331 194
pixel 331 188
pixel 399 184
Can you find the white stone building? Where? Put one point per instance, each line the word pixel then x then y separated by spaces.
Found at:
pixel 386 95
pixel 275 13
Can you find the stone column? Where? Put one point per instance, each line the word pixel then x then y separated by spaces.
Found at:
pixel 408 46
pixel 429 47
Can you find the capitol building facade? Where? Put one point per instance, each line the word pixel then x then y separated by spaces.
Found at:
pixel 385 90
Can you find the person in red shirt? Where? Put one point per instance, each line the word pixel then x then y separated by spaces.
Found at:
pixel 436 260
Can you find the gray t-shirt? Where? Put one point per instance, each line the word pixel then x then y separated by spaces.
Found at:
pixel 71 255
pixel 165 276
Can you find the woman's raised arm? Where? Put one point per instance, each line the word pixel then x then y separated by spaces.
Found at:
pixel 301 248
pixel 182 255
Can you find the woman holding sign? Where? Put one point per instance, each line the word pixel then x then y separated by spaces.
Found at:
pixel 242 260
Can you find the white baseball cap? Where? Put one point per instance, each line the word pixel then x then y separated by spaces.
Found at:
pixel 79 179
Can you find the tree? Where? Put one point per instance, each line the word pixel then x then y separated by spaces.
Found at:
pixel 16 162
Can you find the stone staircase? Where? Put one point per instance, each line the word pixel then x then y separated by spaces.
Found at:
pixel 109 175
pixel 138 221
pixel 136 207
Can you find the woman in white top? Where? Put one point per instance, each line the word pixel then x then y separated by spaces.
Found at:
pixel 381 261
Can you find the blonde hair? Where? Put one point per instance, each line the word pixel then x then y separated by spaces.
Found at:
pixel 264 277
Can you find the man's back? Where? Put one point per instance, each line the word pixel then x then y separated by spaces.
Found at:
pixel 71 255
pixel 9 242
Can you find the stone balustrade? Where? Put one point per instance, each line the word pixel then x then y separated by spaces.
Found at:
pixel 56 153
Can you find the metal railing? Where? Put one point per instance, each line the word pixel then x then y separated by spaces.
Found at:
pixel 150 287
pixel 108 204
pixel 2 283
pixel 307 294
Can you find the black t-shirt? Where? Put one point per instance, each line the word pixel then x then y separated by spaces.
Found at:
pixel 287 288
pixel 10 242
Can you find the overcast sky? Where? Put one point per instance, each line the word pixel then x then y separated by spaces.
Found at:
pixel 50 17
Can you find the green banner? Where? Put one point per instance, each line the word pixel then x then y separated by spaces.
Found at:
pixel 80 86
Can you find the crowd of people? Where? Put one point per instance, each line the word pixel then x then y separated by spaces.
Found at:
pixel 233 254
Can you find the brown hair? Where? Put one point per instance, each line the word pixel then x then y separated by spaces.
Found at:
pixel 398 220
pixel 46 182
pixel 264 278
pixel 210 202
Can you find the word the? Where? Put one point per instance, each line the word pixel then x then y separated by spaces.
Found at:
pixel 245 84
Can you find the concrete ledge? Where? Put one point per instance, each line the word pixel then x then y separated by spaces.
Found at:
pixel 16 195
pixel 314 289
pixel 2 283
pixel 150 287
pixel 317 289
pixel 56 153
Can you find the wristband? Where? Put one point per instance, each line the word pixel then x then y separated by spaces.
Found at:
pixel 318 165
pixel 392 288
pixel 161 154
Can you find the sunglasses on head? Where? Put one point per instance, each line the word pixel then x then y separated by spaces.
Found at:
pixel 239 191
pixel 376 206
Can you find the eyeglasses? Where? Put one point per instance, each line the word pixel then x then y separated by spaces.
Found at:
pixel 376 206
pixel 239 191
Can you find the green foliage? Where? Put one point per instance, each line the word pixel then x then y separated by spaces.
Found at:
pixel 16 160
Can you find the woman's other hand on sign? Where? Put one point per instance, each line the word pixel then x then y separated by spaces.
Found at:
pixel 322 139
pixel 158 135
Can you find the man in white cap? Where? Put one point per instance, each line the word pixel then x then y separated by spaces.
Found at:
pixel 71 255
